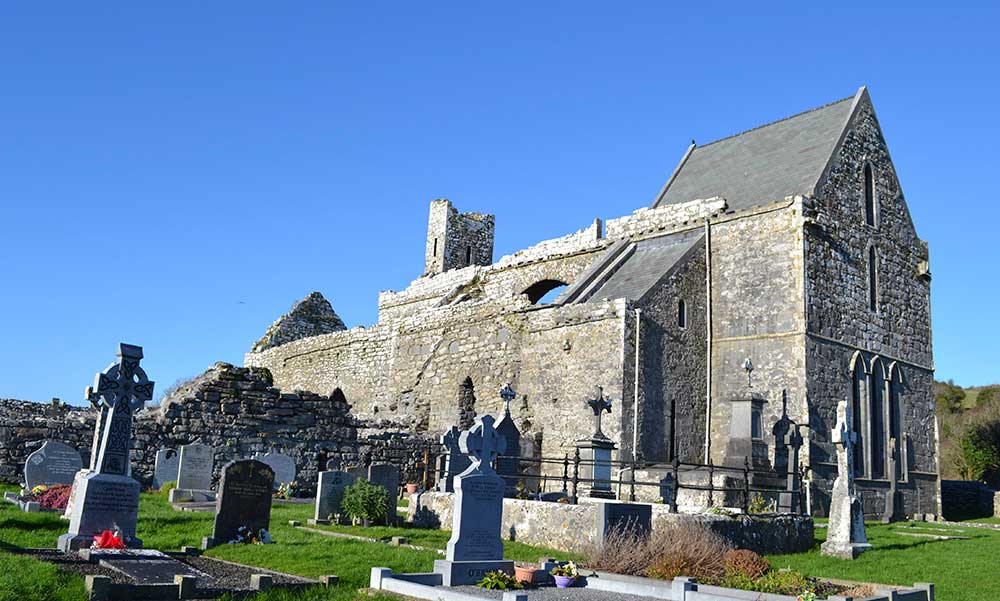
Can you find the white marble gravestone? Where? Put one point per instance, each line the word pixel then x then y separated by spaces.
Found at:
pixel 845 535
pixel 283 466
pixel 329 493
pixel 53 464
pixel 194 474
pixel 165 467
pixel 108 498
pixel 475 547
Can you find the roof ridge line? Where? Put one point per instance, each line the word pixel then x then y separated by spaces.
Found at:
pixel 812 110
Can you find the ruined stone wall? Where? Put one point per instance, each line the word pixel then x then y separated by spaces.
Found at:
pixel 840 321
pixel 673 365
pixel 756 269
pixel 233 409
pixel 412 375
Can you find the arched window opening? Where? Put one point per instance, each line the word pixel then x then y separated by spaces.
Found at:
pixel 544 292
pixel 859 395
pixel 466 404
pixel 870 197
pixel 872 280
pixel 682 317
pixel 895 433
pixel 468 255
pixel 876 413
pixel 338 396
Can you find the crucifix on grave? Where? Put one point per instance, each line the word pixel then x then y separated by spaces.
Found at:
pixel 599 404
pixel 595 451
pixel 108 497
pixel 846 537
pixel 509 464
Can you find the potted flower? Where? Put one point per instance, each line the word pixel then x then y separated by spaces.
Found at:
pixel 527 574
pixel 412 488
pixel 565 574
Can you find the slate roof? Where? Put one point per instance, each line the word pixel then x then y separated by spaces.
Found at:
pixel 764 164
pixel 648 263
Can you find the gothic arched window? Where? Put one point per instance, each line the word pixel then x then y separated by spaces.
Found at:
pixel 872 279
pixel 859 396
pixel 682 316
pixel 871 198
pixel 876 419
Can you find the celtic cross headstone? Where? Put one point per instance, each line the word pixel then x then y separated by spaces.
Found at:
pixel 475 547
pixel 599 404
pixel 108 498
pixel 595 452
pixel 846 537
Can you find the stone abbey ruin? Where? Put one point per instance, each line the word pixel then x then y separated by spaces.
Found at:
pixel 777 273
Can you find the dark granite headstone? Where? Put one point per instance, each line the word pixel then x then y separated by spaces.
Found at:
pixel 283 466
pixel 245 490
pixel 509 465
pixel 329 493
pixel 455 460
pixel 54 463
pixel 635 517
pixel 144 567
pixel 386 475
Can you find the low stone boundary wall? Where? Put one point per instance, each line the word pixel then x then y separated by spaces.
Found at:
pixel 573 528
pixel 963 500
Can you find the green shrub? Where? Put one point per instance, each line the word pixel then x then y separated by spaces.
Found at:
pixel 167 487
pixel 365 501
pixel 500 581
pixel 980 450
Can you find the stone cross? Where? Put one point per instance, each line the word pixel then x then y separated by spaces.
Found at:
pixel 123 388
pixel 846 536
pixel 507 394
pixel 748 367
pixel 843 436
pixel 598 405
pixel 481 442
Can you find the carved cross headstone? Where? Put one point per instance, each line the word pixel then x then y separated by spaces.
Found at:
pixel 455 461
pixel 509 466
pixel 123 388
pixel 599 404
pixel 482 443
pixel 846 536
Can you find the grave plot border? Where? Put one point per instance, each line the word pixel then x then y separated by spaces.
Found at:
pixel 428 586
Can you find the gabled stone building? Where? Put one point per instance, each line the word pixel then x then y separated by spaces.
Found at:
pixel 789 245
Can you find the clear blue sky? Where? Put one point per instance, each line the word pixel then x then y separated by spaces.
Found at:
pixel 176 175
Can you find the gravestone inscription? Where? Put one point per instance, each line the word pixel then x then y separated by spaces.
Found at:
pixel 475 546
pixel 53 464
pixel 244 501
pixel 108 499
pixel 195 465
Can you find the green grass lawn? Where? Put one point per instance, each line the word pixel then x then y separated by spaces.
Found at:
pixel 160 527
pixel 961 570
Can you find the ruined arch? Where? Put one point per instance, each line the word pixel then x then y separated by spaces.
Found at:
pixel 466 404
pixel 539 289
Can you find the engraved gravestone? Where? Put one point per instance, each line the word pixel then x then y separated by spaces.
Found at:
pixel 329 493
pixel 108 499
pixel 53 464
pixel 455 461
pixel 165 467
pixel 387 476
pixel 509 465
pixel 245 490
pixel 283 466
pixel 475 547
pixel 195 465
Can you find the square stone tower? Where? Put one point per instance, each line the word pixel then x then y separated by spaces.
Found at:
pixel 456 239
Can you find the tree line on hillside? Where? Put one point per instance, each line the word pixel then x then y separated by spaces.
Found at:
pixel 970 432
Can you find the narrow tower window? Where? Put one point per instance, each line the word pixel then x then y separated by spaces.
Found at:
pixel 872 280
pixel 869 195
pixel 468 255
pixel 682 318
pixel 435 247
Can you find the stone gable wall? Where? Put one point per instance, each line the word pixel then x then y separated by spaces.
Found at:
pixel 840 321
pixel 673 365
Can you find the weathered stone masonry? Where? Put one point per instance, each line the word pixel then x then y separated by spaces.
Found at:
pixel 233 409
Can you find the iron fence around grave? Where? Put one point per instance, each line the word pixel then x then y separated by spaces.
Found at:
pixel 566 475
